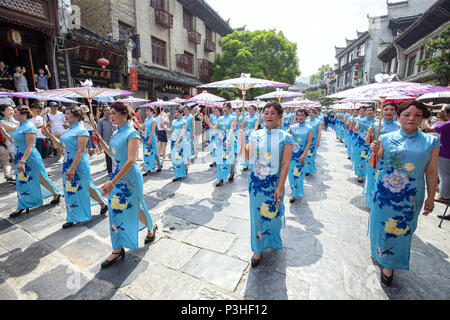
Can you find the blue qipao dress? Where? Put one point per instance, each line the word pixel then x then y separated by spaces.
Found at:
pixel 357 143
pixel 310 166
pixel 225 155
pixel 296 173
pixel 127 197
pixel 150 152
pixel 30 194
pixel 76 192
pixel 399 196
pixel 363 149
pixel 371 173
pixel 265 218
pixel 212 135
pixel 189 150
pixel 180 152
pixel 250 123
pixel 287 118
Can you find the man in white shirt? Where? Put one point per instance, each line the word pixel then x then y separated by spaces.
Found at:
pixel 55 120
pixel 38 121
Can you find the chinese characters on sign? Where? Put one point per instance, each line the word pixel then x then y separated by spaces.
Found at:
pixel 133 79
pixel 61 68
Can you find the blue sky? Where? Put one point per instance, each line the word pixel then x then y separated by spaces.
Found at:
pixel 316 25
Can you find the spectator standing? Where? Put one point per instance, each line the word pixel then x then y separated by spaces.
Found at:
pixel 105 129
pixel 38 121
pixel 87 123
pixel 5 78
pixel 56 120
pixel 20 82
pixel 42 79
pixel 162 120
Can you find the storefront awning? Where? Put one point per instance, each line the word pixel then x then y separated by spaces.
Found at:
pixel 166 75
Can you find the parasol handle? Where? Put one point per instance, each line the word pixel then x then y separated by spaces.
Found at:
pixel 380 117
pixel 243 108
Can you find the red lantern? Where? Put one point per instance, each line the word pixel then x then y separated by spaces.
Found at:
pixel 103 62
pixel 356 64
pixel 355 77
pixel 357 58
pixel 356 70
pixel 357 51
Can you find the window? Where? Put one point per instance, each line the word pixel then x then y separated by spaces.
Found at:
pixel 158 51
pixel 157 4
pixel 411 65
pixel 208 34
pixel 125 31
pixel 187 19
pixel 341 64
pixel 190 62
pixel 362 50
pixel 350 57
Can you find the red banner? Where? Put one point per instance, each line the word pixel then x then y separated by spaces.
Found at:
pixel 133 79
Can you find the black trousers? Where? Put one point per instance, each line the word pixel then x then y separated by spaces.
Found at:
pixel 108 163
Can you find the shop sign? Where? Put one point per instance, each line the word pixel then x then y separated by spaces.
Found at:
pixel 171 88
pixel 133 79
pixel 85 72
pixel 61 67
pixel 145 84
pixel 14 37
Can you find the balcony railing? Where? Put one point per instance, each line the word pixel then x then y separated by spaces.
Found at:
pixel 185 61
pixel 164 18
pixel 210 46
pixel 194 37
pixel 205 69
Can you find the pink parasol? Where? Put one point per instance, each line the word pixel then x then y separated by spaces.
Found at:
pixel 280 94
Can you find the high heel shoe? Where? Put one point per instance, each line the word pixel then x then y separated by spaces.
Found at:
pixel 159 169
pixel 152 238
pixel 56 200
pixel 67 225
pixel 104 210
pixel 146 173
pixel 109 263
pixel 231 178
pixel 18 212
pixel 256 262
pixel 219 183
pixel 292 199
pixel 387 280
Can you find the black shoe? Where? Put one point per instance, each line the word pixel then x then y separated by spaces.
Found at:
pixel 159 169
pixel 67 225
pixel 245 169
pixel 360 180
pixel 177 179
pixel 256 262
pixel 219 183
pixel 11 180
pixel 146 173
pixel 385 279
pixel 56 201
pixel 104 210
pixel 292 200
pixel 18 212
pixel 444 217
pixel 307 174
pixel 212 165
pixel 151 239
pixel 109 263
pixel 231 178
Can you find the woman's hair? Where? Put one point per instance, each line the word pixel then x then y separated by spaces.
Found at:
pixel 370 107
pixel 3 108
pixel 76 112
pixel 253 106
pixel 393 104
pixel 22 109
pixel 304 111
pixel 179 110
pixel 419 105
pixel 275 105
pixel 158 111
pixel 123 109
pixel 219 109
pixel 227 105
pixel 36 106
pixel 152 109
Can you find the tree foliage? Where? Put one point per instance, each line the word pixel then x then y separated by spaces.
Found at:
pixel 314 79
pixel 439 61
pixel 265 54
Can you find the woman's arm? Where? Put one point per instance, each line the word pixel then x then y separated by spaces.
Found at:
pixel 5 134
pixel 133 149
pixel 55 140
pixel 81 146
pixel 230 133
pixel 183 130
pixel 103 145
pixel 319 135
pixel 308 145
pixel 29 138
pixel 8 126
pixel 285 161
pixel 370 135
pixel 208 122
pixel 431 175
pixel 377 149
pixel 149 142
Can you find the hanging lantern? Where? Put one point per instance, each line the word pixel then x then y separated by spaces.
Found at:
pixel 103 62
pixel 356 70
pixel 356 64
pixel 357 51
pixel 355 77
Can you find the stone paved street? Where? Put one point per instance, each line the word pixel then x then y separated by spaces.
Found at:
pixel 202 249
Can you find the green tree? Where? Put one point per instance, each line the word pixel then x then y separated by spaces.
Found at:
pixel 439 61
pixel 264 54
pixel 314 79
pixel 314 95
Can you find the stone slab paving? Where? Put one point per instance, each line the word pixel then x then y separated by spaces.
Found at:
pixel 202 248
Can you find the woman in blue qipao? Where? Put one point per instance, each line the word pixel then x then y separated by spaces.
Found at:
pixel 270 150
pixel 189 137
pixel 179 145
pixel 225 156
pixel 388 124
pixel 287 119
pixel 125 189
pixel 409 155
pixel 316 124
pixel 358 143
pixel 217 112
pixel 302 135
pixel 29 167
pixel 149 145
pixel 250 125
pixel 77 181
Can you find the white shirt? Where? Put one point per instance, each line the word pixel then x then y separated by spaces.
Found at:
pixel 57 121
pixel 160 121
pixel 38 121
pixel 87 126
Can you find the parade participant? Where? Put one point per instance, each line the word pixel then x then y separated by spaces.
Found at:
pixel 38 121
pixel 42 79
pixel 217 112
pixel 288 117
pixel 149 144
pixel 30 170
pixel 361 151
pixel 409 155
pixel 225 157
pixel 106 129
pixel 351 119
pixel 251 124
pixel 179 146
pixel 126 203
pixel 358 143
pixel 190 136
pixel 316 124
pixel 302 135
pixel 388 124
pixel 161 134
pixel 87 123
pixel 271 151
pixel 76 171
